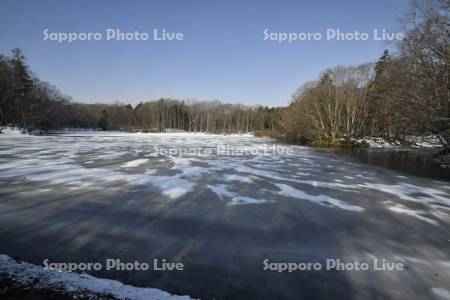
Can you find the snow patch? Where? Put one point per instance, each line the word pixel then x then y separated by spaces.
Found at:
pixel 441 292
pixel 286 190
pixel 135 163
pixel 235 199
pixel 234 177
pixel 416 213
pixel 11 131
pixel 424 195
pixel 378 143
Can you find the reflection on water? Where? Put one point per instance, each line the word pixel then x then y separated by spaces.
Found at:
pixel 419 163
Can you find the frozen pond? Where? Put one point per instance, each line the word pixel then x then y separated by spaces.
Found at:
pixel 221 205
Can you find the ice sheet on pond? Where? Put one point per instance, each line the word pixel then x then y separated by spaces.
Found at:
pixel 95 160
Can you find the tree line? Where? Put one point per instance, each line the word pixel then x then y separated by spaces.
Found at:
pixel 29 103
pixel 401 95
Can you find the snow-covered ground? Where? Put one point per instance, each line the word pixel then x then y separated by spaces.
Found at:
pixel 237 184
pixel 79 286
pixel 420 142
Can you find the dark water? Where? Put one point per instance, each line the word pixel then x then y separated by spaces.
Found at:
pixel 418 163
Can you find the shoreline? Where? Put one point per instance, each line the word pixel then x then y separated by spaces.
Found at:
pixel 23 280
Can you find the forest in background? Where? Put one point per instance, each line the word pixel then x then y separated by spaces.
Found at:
pixel 28 103
pixel 401 95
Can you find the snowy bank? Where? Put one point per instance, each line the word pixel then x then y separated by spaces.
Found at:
pixel 420 142
pixel 11 131
pixel 143 134
pixel 23 275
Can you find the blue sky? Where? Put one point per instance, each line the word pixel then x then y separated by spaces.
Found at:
pixel 223 55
